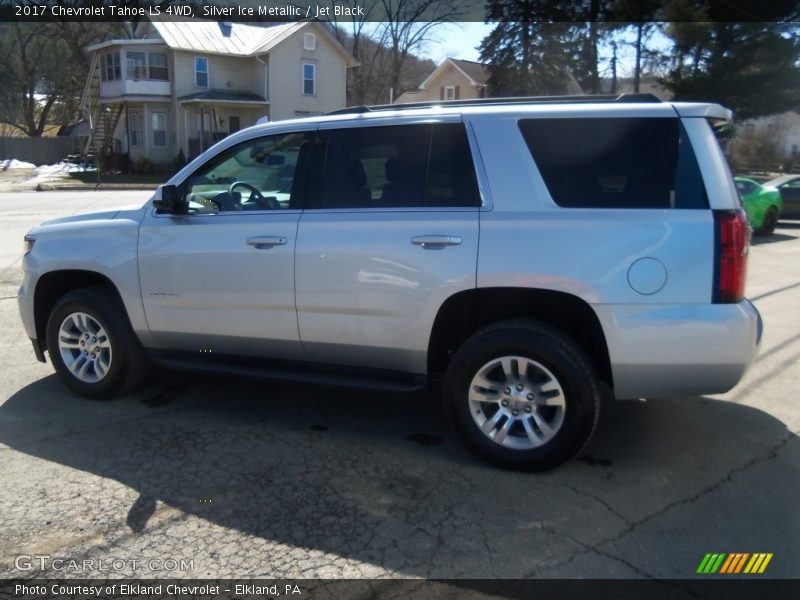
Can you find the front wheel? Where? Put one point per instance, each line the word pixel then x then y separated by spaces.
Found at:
pixel 92 346
pixel 522 395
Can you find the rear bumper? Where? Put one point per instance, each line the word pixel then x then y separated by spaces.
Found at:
pixel 678 350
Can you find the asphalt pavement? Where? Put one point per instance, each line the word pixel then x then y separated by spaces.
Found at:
pixel 197 476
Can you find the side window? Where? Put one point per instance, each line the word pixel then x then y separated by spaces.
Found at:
pixel 398 166
pixel 260 174
pixel 616 162
pixel 451 172
pixel 745 187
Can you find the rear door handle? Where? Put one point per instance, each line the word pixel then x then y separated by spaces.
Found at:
pixel 433 242
pixel 266 241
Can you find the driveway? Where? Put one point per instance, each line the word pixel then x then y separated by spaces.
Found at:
pixel 235 478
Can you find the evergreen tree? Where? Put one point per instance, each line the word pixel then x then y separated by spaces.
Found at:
pixel 538 47
pixel 750 67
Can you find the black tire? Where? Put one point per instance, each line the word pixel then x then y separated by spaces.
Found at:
pixel 769 222
pixel 127 361
pixel 549 354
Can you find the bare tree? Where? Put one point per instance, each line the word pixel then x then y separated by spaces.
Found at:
pixel 408 26
pixel 44 70
pixel 384 41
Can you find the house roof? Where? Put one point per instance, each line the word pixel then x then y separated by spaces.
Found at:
pixel 224 96
pixel 476 73
pixel 227 38
pixel 474 70
pixel 223 38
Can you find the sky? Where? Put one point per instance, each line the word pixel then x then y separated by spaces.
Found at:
pixel 461 40
pixel 457 40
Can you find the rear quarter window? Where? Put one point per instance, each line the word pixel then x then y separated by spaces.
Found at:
pixel 616 162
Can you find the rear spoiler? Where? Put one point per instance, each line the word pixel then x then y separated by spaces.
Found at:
pixel 703 110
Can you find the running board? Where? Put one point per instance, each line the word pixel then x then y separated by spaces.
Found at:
pixel 381 381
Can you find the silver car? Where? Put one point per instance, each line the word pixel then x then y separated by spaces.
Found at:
pixel 525 258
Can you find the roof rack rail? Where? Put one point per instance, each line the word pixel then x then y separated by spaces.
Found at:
pixel 582 99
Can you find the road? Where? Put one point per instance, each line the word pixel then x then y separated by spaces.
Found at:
pixel 251 479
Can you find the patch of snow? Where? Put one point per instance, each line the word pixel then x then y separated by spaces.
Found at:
pixel 13 163
pixel 47 173
pixel 62 168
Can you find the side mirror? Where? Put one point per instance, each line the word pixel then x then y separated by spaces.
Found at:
pixel 170 201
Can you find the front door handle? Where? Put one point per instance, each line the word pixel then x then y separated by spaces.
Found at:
pixel 266 241
pixel 433 242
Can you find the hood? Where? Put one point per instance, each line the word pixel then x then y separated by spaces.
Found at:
pixel 130 212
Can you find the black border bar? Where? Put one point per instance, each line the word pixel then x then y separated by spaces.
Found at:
pixel 710 588
pixel 786 11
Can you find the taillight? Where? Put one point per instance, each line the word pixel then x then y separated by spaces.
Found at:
pixel 732 234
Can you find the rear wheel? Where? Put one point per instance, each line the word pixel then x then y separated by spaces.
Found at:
pixel 92 346
pixel 769 222
pixel 522 395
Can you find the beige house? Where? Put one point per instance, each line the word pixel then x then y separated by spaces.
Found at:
pixel 182 86
pixel 453 79
pixel 456 79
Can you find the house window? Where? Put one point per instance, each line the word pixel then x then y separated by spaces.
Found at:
pixel 309 79
pixel 143 65
pixel 157 66
pixel 159 127
pixel 137 65
pixel 449 92
pixel 310 42
pixel 109 66
pixel 201 71
pixel 136 128
pixel 234 124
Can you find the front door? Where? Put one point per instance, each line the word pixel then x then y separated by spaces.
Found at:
pixel 221 278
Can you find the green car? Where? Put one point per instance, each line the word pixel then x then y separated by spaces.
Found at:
pixel 762 204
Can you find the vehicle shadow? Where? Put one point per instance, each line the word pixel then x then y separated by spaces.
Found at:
pixel 760 240
pixel 784 224
pixel 381 480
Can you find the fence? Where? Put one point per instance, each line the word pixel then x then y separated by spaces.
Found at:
pixel 39 151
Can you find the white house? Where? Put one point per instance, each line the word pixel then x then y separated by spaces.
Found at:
pixel 181 86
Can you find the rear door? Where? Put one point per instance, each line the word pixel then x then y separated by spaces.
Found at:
pixel 390 231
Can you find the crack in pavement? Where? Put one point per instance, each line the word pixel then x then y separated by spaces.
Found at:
pixel 599 500
pixel 595 548
pixel 592 549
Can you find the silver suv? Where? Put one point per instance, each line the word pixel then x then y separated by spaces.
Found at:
pixel 526 258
